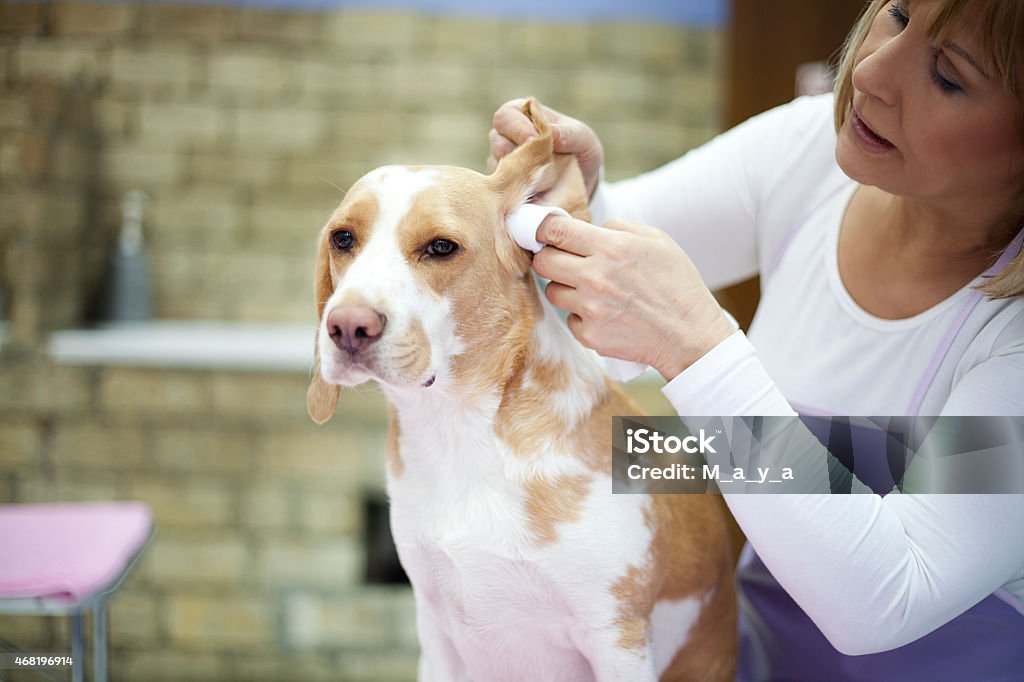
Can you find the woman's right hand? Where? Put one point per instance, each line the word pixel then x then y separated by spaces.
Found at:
pixel 512 128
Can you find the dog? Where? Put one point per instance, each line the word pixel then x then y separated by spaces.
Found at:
pixel 523 564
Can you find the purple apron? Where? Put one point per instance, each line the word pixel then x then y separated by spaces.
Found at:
pixel 779 642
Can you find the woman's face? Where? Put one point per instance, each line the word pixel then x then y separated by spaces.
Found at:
pixel 930 122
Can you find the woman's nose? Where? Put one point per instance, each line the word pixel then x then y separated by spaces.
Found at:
pixel 879 72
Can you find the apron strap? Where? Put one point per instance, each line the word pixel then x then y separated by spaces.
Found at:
pixel 968 307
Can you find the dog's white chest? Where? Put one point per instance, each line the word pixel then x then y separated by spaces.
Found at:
pixel 493 609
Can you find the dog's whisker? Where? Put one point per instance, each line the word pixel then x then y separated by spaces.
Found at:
pixel 343 191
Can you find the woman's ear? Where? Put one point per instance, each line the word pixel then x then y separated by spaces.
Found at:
pixel 322 397
pixel 533 172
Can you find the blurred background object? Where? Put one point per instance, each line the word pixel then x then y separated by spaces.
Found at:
pixel 243 124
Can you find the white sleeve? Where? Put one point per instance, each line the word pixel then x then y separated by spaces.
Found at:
pixel 718 200
pixel 901 565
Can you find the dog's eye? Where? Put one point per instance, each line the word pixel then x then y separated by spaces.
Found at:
pixel 342 240
pixel 442 248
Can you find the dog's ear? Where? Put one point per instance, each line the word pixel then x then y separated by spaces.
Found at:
pixel 534 172
pixel 322 397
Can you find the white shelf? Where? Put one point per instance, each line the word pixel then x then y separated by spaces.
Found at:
pixel 188 345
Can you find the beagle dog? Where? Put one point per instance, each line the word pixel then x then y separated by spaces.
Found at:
pixel 524 565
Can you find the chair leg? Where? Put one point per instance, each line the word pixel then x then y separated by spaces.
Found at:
pixel 78 646
pixel 99 634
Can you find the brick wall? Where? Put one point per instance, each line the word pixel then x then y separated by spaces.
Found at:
pixel 242 125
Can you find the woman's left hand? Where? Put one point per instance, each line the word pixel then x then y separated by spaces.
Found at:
pixel 632 293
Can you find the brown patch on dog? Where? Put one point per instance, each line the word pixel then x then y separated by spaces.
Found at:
pixel 525 420
pixel 593 436
pixel 395 462
pixel 357 214
pixel 551 501
pixel 674 571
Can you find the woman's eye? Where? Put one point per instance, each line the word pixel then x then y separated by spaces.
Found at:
pixel 899 14
pixel 342 240
pixel 442 248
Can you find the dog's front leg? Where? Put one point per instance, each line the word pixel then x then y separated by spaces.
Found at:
pixel 611 661
pixel 439 661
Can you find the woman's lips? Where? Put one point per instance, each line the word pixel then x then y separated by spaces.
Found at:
pixel 868 138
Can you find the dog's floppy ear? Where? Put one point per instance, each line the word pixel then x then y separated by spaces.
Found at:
pixel 533 171
pixel 322 397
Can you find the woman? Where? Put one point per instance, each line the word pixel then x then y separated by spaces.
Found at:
pixel 885 221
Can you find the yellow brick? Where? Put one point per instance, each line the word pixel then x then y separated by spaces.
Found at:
pixel 274 667
pixel 355 85
pixel 312 621
pixel 292 227
pixel 198 23
pixel 172 125
pixel 185 504
pixel 23 18
pixel 14 112
pixel 98 446
pixel 545 43
pixel 330 512
pixel 265 71
pixel 142 167
pixel 331 564
pixel 256 24
pixel 170 65
pixel 216 622
pixel 135 390
pixel 373 36
pixel 157 664
pixel 40 58
pixel 174 558
pixel 250 167
pixel 380 667
pixel 430 86
pixel 134 617
pixel 19 445
pixel 470 38
pixel 269 506
pixel 319 172
pixel 21 386
pixel 92 19
pixel 640 45
pixel 274 395
pixel 209 216
pixel 70 486
pixel 283 129
pixel 223 451
pixel 611 89
pixel 26 632
pixel 321 454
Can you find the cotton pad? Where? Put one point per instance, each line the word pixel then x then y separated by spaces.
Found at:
pixel 522 226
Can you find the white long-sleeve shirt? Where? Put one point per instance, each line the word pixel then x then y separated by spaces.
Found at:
pixel 767 197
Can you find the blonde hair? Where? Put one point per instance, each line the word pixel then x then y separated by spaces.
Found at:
pixel 1002 31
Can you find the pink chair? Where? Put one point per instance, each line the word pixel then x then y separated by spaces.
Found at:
pixel 67 559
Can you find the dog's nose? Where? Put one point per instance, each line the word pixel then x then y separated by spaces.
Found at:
pixel 354 328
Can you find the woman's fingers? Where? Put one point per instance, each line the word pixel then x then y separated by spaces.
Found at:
pixel 511 128
pixel 499 147
pixel 558 266
pixel 510 122
pixel 561 296
pixel 568 234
